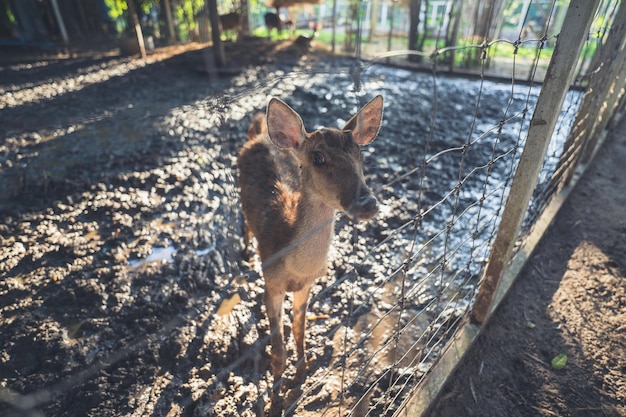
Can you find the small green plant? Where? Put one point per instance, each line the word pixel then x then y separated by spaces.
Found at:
pixel 559 361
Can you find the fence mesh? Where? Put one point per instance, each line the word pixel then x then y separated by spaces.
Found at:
pixel 161 308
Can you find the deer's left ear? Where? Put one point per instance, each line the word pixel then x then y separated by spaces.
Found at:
pixel 365 125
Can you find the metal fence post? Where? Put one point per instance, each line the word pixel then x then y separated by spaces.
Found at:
pixel 558 78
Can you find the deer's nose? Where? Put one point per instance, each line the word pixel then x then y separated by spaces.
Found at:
pixel 366 206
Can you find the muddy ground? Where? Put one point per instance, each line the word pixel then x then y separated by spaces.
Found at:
pixel 124 288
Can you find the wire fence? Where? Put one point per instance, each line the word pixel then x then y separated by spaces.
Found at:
pixel 180 329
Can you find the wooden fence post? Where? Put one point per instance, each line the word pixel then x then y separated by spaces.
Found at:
pixel 556 84
pixel 607 82
pixel 60 21
pixel 137 26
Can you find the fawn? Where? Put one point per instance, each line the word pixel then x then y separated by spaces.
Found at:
pixel 291 184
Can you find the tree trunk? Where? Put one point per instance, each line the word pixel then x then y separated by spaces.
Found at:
pixel 414 20
pixel 352 17
pixel 137 26
pixel 204 29
pixel 60 22
pixel 422 39
pixel 452 32
pixel 169 22
pixel 218 47
pixel 486 14
pixel 375 4
pixel 245 17
pixel 334 33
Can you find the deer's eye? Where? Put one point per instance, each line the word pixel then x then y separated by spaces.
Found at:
pixel 318 158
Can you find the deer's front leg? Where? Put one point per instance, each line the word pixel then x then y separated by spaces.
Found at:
pixel 274 306
pixel 300 304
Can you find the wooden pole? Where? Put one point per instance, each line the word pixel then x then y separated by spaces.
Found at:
pixel 607 81
pixel 60 22
pixel 557 81
pixel 138 32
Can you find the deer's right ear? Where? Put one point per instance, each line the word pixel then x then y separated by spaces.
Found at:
pixel 284 126
pixel 366 123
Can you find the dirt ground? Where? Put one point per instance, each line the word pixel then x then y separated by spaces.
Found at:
pixel 123 289
pixel 570 299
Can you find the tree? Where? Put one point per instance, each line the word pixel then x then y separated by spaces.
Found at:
pixel 244 6
pixel 218 47
pixel 452 31
pixel 169 22
pixel 135 20
pixel 353 15
pixel 414 21
pixel 482 26
pixel 8 22
pixel 375 4
pixel 422 40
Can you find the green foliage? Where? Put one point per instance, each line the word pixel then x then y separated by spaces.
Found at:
pixel 116 8
pixel 184 12
pixel 185 16
pixel 512 13
pixel 7 20
pixel 7 12
pixel 261 32
pixel 524 51
pixel 256 7
pixel 116 12
pixel 146 5
pixel 326 36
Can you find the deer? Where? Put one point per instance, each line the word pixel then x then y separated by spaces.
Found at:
pixel 273 21
pixel 291 184
pixel 230 22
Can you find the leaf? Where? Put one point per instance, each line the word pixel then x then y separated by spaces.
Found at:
pixel 228 304
pixel 559 361
pixel 530 324
pixel 314 317
pixel 93 235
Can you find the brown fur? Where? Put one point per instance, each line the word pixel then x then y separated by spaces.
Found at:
pixel 230 21
pixel 289 201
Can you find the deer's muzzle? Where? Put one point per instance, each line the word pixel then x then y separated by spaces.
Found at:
pixel 365 207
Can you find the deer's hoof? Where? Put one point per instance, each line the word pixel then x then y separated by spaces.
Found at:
pixel 276 405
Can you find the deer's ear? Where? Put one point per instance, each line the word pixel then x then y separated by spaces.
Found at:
pixel 284 125
pixel 366 123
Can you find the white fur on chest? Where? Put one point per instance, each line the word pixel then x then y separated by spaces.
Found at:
pixel 309 257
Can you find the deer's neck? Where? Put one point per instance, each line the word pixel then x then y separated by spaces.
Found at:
pixel 313 233
pixel 314 218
